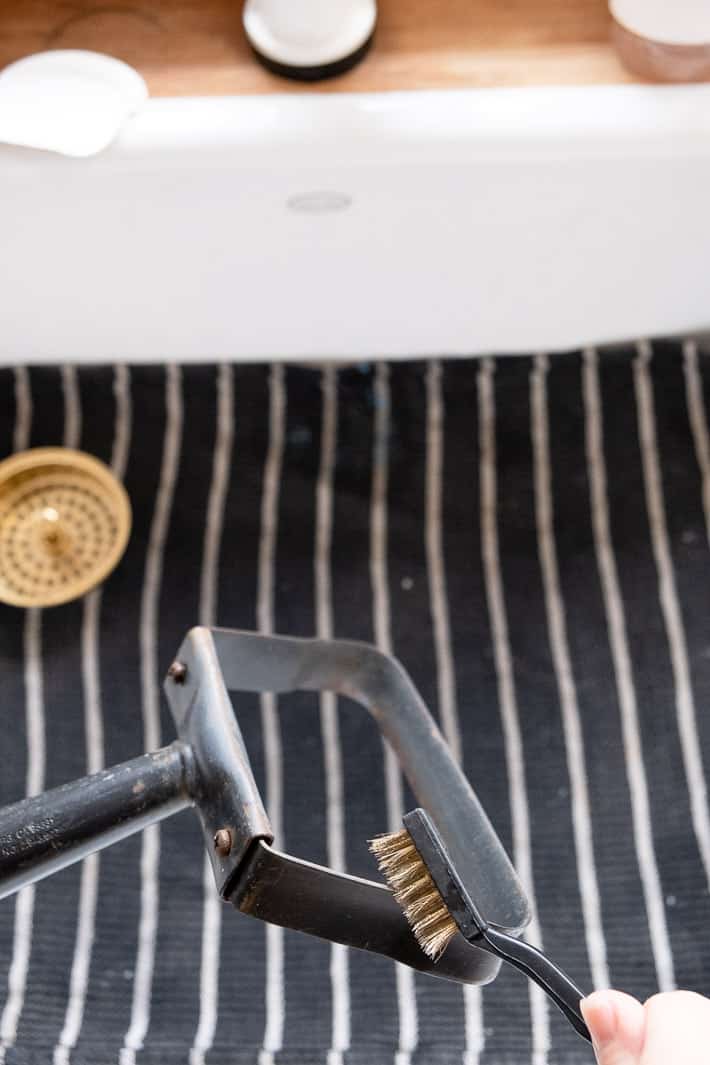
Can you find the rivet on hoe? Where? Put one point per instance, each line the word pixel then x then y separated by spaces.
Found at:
pixel 223 842
pixel 178 672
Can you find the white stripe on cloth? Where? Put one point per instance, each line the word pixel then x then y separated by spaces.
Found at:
pixel 122 433
pixel 271 729
pixel 24 903
pixel 623 672
pixel 566 686
pixel 335 813
pixel 148 638
pixel 24 906
pixel 212 912
pixel 698 422
pixel 34 713
pixel 23 409
pixel 406 992
pixel 670 606
pixel 510 719
pixel 445 668
pixel 72 407
pixel 93 728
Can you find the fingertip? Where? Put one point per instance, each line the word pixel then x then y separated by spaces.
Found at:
pixel 631 1018
pixel 599 1012
pixel 615 1018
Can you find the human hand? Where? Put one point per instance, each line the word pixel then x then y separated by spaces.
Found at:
pixel 670 1029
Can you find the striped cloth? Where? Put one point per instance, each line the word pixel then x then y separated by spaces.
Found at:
pixel 531 536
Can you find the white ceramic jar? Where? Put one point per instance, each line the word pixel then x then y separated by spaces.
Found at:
pixel 667 40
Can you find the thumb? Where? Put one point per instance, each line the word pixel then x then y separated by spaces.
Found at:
pixel 616 1024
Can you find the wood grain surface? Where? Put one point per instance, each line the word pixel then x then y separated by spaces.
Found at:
pixel 197 47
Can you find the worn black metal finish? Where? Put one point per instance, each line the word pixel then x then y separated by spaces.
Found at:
pixel 474 926
pixel 295 893
pixel 209 767
pixel 42 834
pixel 251 662
pixel 226 796
pixel 358 913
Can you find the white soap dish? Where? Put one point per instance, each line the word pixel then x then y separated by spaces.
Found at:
pixel 68 101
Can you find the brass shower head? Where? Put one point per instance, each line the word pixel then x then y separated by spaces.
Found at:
pixel 64 524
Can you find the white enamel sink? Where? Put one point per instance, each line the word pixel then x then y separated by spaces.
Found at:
pixel 350 226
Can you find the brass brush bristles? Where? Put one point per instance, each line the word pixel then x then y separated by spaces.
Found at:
pixel 402 867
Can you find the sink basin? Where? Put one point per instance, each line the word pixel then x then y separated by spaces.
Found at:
pixel 393 224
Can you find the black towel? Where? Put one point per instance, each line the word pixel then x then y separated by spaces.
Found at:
pixel 529 536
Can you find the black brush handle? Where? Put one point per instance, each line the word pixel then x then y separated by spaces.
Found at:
pixel 531 961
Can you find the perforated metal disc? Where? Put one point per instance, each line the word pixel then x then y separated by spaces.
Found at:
pixel 64 524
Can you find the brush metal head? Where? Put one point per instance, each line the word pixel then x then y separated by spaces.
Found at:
pixel 407 875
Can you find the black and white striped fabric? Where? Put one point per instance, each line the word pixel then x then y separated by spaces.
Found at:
pixel 531 536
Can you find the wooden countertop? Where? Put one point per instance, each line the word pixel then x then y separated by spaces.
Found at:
pixel 197 47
